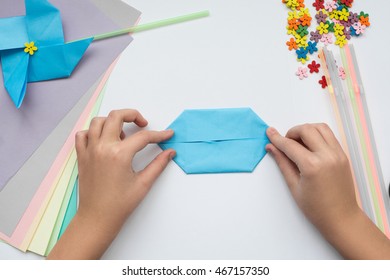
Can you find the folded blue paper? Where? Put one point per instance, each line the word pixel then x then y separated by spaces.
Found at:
pixel 51 59
pixel 218 140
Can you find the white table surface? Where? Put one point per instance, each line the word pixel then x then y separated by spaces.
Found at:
pixel 237 57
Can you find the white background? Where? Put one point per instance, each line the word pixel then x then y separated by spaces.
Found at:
pixel 237 57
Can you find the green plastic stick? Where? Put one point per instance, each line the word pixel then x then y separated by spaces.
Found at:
pixel 152 25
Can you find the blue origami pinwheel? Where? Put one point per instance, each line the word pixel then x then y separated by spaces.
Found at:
pixel 218 140
pixel 32 48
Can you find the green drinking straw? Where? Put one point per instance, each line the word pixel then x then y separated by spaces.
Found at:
pixel 152 25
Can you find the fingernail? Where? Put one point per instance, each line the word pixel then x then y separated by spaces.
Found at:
pixel 172 154
pixel 268 148
pixel 271 131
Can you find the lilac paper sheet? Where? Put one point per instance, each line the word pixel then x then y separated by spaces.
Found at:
pixel 46 103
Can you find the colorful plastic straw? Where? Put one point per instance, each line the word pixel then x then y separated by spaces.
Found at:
pixel 340 126
pixel 348 129
pixel 366 137
pixel 151 25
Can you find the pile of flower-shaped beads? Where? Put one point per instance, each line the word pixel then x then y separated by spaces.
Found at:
pixel 335 23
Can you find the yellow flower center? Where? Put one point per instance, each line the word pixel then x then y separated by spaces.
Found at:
pixel 30 48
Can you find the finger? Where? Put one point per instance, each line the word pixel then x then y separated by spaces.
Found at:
pixel 95 128
pixel 292 149
pixel 328 135
pixel 154 169
pixel 81 140
pixel 309 135
pixel 288 168
pixel 114 123
pixel 141 139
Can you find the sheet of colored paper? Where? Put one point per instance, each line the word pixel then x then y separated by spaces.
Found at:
pixel 26 128
pixel 43 232
pixel 27 220
pixel 218 140
pixel 30 221
pixel 51 222
pixel 72 205
pixel 124 16
pixel 70 211
pixel 40 240
pixel 13 202
pixel 66 206
pixel 18 193
pixel 62 211
pixel 119 12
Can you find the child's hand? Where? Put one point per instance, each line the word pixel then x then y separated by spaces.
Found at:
pixel 318 174
pixel 317 171
pixel 109 188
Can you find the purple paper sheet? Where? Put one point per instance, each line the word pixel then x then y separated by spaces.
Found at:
pixel 46 103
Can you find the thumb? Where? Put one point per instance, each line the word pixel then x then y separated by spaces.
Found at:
pixel 154 169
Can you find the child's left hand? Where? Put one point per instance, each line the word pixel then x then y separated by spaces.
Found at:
pixel 109 187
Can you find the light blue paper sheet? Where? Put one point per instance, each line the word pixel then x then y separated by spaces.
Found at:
pixel 218 140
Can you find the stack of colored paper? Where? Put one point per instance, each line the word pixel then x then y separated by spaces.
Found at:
pixel 38 167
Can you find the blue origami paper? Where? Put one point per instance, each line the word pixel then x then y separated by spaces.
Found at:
pixel 52 59
pixel 218 140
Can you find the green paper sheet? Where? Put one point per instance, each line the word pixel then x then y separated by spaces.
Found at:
pixel 70 210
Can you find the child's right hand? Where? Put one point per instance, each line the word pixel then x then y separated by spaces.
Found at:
pixel 318 174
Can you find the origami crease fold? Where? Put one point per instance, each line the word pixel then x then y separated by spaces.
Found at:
pixel 53 58
pixel 218 140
